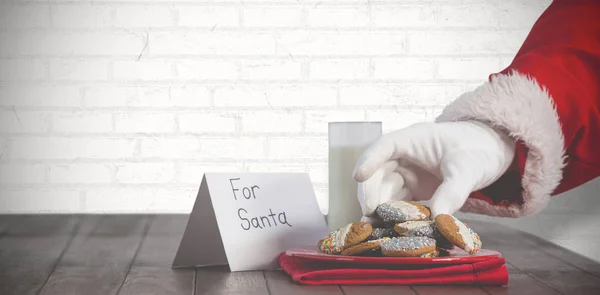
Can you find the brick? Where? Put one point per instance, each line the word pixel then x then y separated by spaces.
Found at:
pixel 575 242
pixel 241 96
pixel 467 68
pixel 144 122
pixel 341 43
pixel 81 16
pixel 401 94
pixel 22 173
pixel 69 148
pixel 189 96
pixel 277 16
pixel 219 43
pixel 80 173
pixel 318 121
pixel 403 68
pixel 328 16
pixel 128 96
pixel 283 95
pixel 142 70
pixel 144 16
pixel 276 167
pixel 466 42
pixel 18 121
pixel 205 122
pixel 24 17
pixel 319 172
pixel 297 148
pixel 81 122
pixel 79 43
pixel 191 173
pixel 180 148
pixel 270 69
pixel 33 95
pixel 139 200
pixel 120 96
pixel 233 148
pixel 8 43
pixel 403 16
pixel 394 119
pixel 473 86
pixel 208 16
pixel 145 173
pixel 339 69
pixel 577 203
pixel 368 95
pixel 476 16
pixel 31 200
pixel 22 69
pixel 206 69
pixel 204 148
pixel 506 61
pixel 79 69
pixel 272 121
pixel 518 14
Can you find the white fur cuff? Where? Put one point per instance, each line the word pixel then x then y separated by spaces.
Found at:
pixel 517 104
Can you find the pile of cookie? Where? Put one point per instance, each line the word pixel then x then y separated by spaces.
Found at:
pixel 403 229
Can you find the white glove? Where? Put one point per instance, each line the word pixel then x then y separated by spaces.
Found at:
pixel 440 162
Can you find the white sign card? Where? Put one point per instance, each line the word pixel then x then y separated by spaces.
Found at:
pixel 246 220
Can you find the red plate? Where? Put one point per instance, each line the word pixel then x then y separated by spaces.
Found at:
pixel 457 256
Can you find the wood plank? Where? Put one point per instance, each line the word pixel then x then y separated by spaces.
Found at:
pixel 161 242
pixel 149 280
pixel 533 257
pixel 100 255
pixel 569 282
pixel 219 280
pixel 4 221
pixel 487 228
pixel 528 260
pixel 512 270
pixel 378 290
pixel 280 283
pixel 151 271
pixel 27 255
pixel 448 290
pixel 40 225
pixel 565 255
pixel 521 283
pixel 522 254
pixel 511 241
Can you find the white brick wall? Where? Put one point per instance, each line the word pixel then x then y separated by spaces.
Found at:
pixel 118 106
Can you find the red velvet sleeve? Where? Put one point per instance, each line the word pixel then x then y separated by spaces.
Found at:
pixel 557 143
pixel 562 53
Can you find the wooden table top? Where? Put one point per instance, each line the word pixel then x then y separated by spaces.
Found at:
pixel 132 254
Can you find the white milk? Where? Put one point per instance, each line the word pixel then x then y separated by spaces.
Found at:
pixel 344 207
pixel 347 142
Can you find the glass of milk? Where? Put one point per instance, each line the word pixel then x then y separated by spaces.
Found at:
pixel 347 141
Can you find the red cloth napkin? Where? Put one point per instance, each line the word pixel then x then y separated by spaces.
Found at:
pixel 489 272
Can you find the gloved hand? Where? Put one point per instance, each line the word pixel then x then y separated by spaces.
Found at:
pixel 440 162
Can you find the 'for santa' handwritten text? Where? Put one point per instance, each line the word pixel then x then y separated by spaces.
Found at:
pixel 250 221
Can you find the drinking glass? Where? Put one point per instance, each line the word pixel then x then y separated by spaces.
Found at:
pixel 347 142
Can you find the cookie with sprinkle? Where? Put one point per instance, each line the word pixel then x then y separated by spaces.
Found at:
pixel 401 211
pixel 408 246
pixel 345 237
pixel 458 233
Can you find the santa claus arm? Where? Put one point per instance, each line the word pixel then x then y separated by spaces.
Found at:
pixel 548 100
